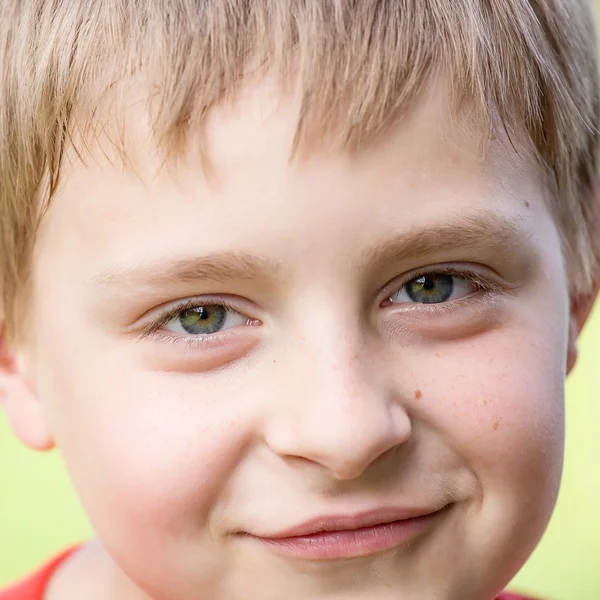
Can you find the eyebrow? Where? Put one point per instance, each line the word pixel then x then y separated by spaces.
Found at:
pixel 484 233
pixel 164 273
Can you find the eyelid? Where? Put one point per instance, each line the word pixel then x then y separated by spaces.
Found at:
pixel 467 271
pixel 153 325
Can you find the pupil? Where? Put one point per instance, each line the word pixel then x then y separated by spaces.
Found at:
pixel 203 320
pixel 430 289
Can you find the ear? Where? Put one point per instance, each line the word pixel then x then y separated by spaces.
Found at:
pixel 582 305
pixel 19 400
pixel 580 311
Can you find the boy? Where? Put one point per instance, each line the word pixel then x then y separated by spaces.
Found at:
pixel 294 286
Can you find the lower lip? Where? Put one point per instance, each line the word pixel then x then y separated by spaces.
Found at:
pixel 332 545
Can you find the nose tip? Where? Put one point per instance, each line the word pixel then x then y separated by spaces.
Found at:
pixel 345 445
pixel 349 459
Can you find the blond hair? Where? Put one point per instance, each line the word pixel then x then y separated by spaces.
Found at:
pixel 359 63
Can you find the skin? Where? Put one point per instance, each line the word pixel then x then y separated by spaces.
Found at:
pixel 325 397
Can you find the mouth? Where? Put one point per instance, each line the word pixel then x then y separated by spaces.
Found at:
pixel 350 536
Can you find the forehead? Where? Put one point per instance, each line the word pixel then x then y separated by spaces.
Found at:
pixel 264 119
pixel 238 178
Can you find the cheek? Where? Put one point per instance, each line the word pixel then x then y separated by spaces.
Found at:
pixel 498 402
pixel 507 401
pixel 149 453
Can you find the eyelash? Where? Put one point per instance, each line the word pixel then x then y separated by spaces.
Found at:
pixel 152 329
pixel 483 284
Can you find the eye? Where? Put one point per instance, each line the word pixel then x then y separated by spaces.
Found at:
pixel 205 320
pixel 433 288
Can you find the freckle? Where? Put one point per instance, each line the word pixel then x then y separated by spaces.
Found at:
pixel 274 361
pixel 495 425
pixel 484 402
pixel 418 394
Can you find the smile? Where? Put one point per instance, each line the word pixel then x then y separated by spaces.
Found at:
pixel 339 537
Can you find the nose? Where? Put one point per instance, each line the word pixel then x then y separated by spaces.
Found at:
pixel 340 415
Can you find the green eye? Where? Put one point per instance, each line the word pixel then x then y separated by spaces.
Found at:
pixel 205 320
pixel 433 288
pixel 430 289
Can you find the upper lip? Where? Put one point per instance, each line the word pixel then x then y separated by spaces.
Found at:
pixel 351 521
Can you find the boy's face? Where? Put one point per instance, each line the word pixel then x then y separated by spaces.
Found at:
pixel 335 340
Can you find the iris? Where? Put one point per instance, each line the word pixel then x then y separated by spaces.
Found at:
pixel 203 319
pixel 430 289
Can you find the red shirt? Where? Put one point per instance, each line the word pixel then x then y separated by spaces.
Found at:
pixel 34 587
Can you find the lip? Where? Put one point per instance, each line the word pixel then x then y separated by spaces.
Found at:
pixel 348 536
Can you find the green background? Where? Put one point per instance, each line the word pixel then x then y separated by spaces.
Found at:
pixel 39 513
